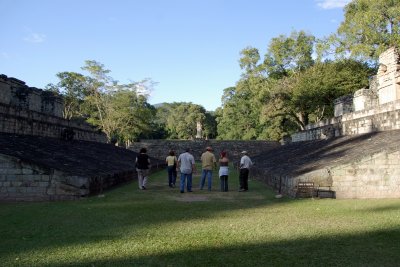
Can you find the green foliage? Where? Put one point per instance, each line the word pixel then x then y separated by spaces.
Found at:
pixel 162 227
pixel 289 54
pixel 292 91
pixel 120 110
pixel 179 119
pixel 369 28
pixel 239 117
pixel 73 87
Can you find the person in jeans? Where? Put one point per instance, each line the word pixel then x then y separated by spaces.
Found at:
pixel 224 171
pixel 245 164
pixel 142 167
pixel 208 162
pixel 187 167
pixel 171 162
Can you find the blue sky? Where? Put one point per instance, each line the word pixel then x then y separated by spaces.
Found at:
pixel 189 47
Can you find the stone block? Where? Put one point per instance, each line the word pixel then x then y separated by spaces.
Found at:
pixel 15 183
pixel 11 189
pixel 43 184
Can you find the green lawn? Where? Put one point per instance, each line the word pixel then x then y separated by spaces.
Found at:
pixel 162 227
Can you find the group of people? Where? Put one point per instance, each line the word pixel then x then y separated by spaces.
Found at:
pixel 185 163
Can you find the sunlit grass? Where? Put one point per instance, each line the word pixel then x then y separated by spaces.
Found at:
pixel 162 227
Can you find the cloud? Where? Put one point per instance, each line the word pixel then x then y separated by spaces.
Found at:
pixel 35 38
pixel 331 4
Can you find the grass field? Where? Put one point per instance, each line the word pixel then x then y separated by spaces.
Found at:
pixel 162 227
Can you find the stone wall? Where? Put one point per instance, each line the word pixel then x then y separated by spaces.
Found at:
pixel 16 93
pixel 389 76
pixel 368 110
pixel 21 121
pixel 385 117
pixel 21 181
pixel 374 176
pixel 31 111
pixel 160 148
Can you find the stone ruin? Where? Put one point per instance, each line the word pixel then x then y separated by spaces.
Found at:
pixel 31 111
pixel 355 154
pixel 45 157
pixel 372 109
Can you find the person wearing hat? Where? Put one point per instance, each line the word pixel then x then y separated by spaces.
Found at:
pixel 245 164
pixel 208 162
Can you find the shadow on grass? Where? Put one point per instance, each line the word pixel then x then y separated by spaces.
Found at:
pixel 30 228
pixel 380 248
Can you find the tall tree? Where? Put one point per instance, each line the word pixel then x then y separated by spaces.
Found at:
pixel 73 87
pixel 119 110
pixel 369 28
pixel 308 96
pixel 289 54
pixel 179 120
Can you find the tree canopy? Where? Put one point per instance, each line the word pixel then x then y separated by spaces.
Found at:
pixel 293 84
pixel 369 28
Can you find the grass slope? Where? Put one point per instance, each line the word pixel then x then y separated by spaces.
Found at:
pixel 162 227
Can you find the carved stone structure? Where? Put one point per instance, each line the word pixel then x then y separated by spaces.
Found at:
pixel 199 133
pixel 368 110
pixel 362 161
pixel 28 110
pixel 389 76
pixel 45 157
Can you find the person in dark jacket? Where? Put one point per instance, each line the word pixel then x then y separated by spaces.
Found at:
pixel 142 164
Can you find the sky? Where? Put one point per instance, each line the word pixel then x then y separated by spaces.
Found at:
pixel 189 48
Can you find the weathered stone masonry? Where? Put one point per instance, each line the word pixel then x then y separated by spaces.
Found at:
pixel 373 170
pixel 28 110
pixel 45 157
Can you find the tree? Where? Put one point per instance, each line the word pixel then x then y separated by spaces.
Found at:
pixel 73 87
pixel 179 120
pixel 288 55
pixel 369 28
pixel 239 117
pixel 121 111
pixel 131 116
pixel 308 96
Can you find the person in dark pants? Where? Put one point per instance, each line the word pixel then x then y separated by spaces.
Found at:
pixel 245 164
pixel 142 167
pixel 171 162
pixel 187 166
pixel 224 171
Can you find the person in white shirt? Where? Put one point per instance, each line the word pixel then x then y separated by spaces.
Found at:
pixel 245 164
pixel 187 167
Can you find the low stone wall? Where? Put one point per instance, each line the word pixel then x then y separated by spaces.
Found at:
pixel 374 176
pixel 160 148
pixel 382 118
pixel 27 182
pixel 22 181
